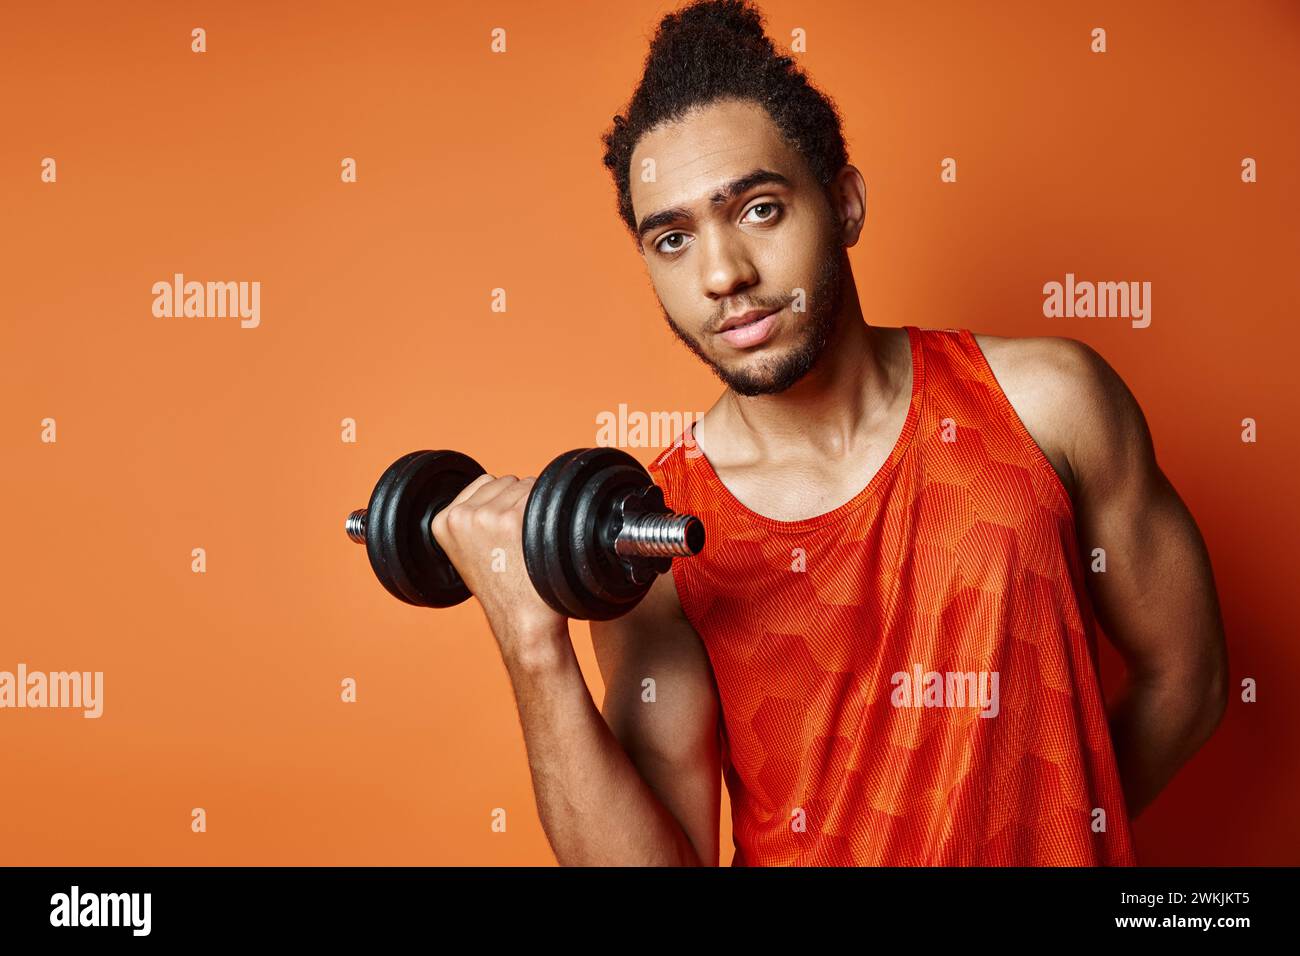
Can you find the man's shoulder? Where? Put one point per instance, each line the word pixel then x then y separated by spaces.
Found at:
pixel 1067 360
pixel 1070 399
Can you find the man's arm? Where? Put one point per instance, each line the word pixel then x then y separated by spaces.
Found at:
pixel 1156 600
pixel 600 804
pixel 595 805
pixel 662 704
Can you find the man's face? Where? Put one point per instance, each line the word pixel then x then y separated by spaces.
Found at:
pixel 722 237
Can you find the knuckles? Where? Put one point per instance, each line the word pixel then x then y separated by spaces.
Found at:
pixel 501 513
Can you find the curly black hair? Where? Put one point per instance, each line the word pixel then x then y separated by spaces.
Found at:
pixel 716 49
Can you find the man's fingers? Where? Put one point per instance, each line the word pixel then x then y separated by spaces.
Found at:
pixel 489 491
pixel 513 496
pixel 469 489
pixel 482 489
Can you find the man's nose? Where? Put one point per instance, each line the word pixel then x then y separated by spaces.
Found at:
pixel 728 267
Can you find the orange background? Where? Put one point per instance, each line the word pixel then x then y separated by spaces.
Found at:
pixel 479 171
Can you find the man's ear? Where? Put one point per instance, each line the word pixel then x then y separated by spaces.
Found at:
pixel 847 195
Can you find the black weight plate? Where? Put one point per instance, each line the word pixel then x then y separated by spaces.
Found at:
pixel 378 500
pixel 606 585
pixel 576 573
pixel 394 560
pixel 542 540
pixel 402 551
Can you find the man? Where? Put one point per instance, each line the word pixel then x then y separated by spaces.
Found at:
pixel 888 645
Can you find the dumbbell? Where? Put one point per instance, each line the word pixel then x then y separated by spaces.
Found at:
pixel 596 531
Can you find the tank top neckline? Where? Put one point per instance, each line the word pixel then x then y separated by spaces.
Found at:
pixel 903 442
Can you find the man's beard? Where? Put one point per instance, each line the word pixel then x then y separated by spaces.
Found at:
pixel 778 373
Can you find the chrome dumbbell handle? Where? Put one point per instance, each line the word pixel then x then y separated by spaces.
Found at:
pixel 355 526
pixel 660 535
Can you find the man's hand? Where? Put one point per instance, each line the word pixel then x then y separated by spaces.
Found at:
pixel 482 532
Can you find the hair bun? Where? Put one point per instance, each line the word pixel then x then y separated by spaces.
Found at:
pixel 736 17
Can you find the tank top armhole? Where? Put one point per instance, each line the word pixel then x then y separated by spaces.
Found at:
pixel 985 372
pixel 665 471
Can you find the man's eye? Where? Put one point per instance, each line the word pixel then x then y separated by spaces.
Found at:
pixel 775 207
pixel 672 235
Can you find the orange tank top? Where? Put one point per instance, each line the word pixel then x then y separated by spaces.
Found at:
pixel 910 678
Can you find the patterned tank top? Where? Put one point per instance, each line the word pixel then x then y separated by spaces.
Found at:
pixel 910 678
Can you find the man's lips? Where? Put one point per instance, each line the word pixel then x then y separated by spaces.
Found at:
pixel 754 332
pixel 753 315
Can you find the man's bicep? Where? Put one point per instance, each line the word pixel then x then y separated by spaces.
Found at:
pixel 662 705
pixel 1148 568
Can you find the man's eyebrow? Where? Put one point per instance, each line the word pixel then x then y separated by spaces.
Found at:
pixel 725 193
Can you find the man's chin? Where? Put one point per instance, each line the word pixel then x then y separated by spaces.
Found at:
pixel 767 370
pixel 765 381
pixel 750 389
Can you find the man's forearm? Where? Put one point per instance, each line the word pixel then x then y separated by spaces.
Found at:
pixel 1156 724
pixel 596 808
